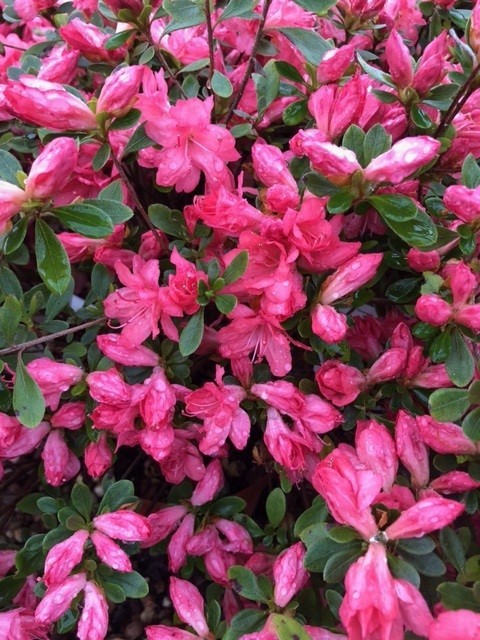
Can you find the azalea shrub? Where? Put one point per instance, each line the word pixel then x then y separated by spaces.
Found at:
pixel 239 350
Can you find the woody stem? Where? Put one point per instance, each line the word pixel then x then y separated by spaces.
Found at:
pixel 131 190
pixel 251 60
pixel 461 97
pixel 51 336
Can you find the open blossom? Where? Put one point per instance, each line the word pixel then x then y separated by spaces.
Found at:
pixel 462 624
pixel 219 407
pixel 191 146
pixel 349 488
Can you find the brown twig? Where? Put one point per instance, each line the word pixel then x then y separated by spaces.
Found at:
pixel 52 336
pixel 251 60
pixel 461 97
pixel 211 51
pixel 131 190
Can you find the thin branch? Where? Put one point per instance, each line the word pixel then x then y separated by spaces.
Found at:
pixel 51 336
pixel 131 190
pixel 211 51
pixel 461 97
pixel 251 60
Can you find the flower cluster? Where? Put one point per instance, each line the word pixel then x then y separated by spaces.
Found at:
pixel 239 276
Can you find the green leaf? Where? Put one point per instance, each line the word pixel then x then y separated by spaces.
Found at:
pixel 116 211
pixel 287 628
pixel 448 405
pixel 428 565
pixel 403 570
pixel 245 583
pixel 419 117
pixel 225 302
pixel 354 139
pixel 15 237
pixel 320 186
pixel 238 9
pixel 452 548
pixel 416 229
pixel 117 495
pixel 295 113
pixel 375 73
pixel 236 268
pixel 170 221
pixel 322 549
pixel 244 622
pixel 309 43
pixel 456 596
pixel 342 534
pixel 221 85
pixel 9 167
pixel 31 557
pixel 86 219
pixel 52 261
pixel 337 565
pixel 276 507
pixel 119 39
pixel 192 334
pixel 404 290
pixel 127 121
pixel 228 506
pixel 416 546
pixel 184 13
pixel 459 361
pixel 267 85
pixel 440 347
pixel 82 500
pixel 28 402
pixel 315 514
pixel 132 584
pixel 287 70
pixel 319 7
pixel 340 202
pixel 474 392
pixel 101 158
pixel 10 316
pixel 471 425
pixel 377 141
pixel 470 172
pixel 113 191
pixel 138 141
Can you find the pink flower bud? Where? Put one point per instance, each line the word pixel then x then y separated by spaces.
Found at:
pixel 58 599
pixel 464 202
pixel 474 32
pixel 376 449
pixel 388 366
pixel 337 164
pixel 414 610
pixel 110 553
pixel 429 514
pixel 433 309
pixel 51 171
pixel 398 60
pixel 370 604
pixel 90 41
pixel 135 6
pixel 161 632
pixel 11 200
pixel 423 260
pixel 209 485
pixel 444 437
pixel 335 62
pixel 350 277
pixel 339 383
pixel 238 538
pixel 189 605
pixel 60 65
pixel 462 283
pixel 113 347
pixel 270 165
pixel 120 90
pixel 93 622
pixel 289 574
pixel 98 457
pixel 123 525
pixel 411 450
pixel 349 489
pixel 404 158
pixel 64 557
pixel 163 522
pixel 177 548
pixel 469 317
pixel 462 624
pixel 70 416
pixel 454 482
pixel 60 463
pixel 53 378
pixel 48 104
pixel 328 324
